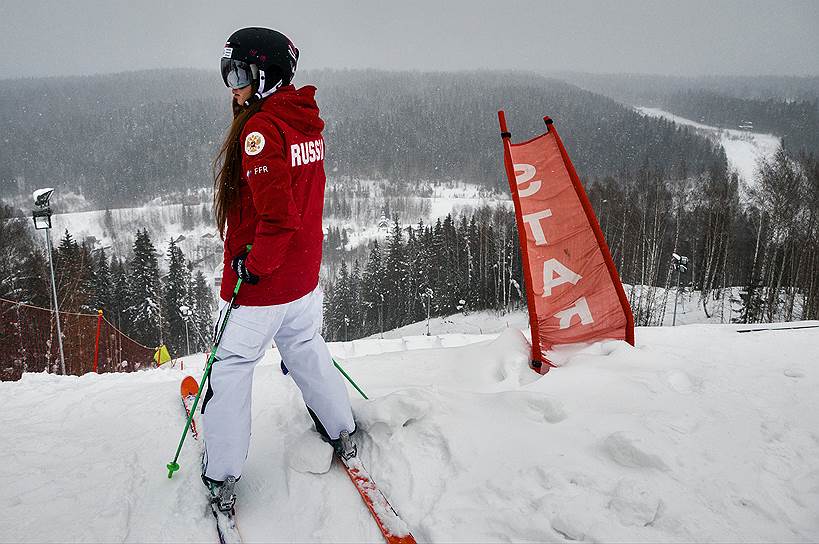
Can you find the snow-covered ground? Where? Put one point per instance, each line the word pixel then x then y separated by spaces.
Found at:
pixel 743 148
pixel 698 433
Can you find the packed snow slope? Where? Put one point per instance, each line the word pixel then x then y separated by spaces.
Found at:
pixel 699 433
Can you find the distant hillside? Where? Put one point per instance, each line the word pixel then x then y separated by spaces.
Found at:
pixel 784 106
pixel 126 138
pixel 645 88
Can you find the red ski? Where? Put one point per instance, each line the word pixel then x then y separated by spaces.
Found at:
pixel 189 389
pixel 393 528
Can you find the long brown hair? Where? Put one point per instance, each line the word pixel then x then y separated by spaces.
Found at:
pixel 227 167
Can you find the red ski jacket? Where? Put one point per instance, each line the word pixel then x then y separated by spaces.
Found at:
pixel 281 201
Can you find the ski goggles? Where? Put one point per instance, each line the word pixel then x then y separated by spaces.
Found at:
pixel 238 74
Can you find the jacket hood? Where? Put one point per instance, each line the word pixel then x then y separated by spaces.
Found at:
pixel 296 107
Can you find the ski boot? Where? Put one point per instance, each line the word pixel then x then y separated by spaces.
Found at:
pixel 222 494
pixel 344 446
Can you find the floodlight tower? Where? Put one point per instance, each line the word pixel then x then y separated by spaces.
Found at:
pixel 42 221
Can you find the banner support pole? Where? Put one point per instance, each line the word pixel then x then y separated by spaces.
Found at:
pixel 537 354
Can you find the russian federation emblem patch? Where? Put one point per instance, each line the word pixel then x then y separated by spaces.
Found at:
pixel 254 143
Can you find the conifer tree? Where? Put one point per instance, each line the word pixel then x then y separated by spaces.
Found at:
pixel 439 266
pixel 34 282
pixel 73 274
pixel 202 313
pixel 463 268
pixel 395 268
pixel 329 327
pixel 101 288
pixel 356 308
pixel 120 297
pixel 175 297
pixel 447 294
pixel 372 292
pixel 417 271
pixel 342 304
pixel 24 275
pixel 143 306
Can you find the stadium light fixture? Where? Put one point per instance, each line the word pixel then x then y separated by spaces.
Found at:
pixel 42 221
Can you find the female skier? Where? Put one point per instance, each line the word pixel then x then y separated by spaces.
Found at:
pixel 269 193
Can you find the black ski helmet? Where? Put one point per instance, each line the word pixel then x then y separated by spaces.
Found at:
pixel 262 55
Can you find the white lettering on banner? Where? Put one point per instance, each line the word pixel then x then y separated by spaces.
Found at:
pixel 307 152
pixel 556 273
pixel 580 309
pixel 533 220
pixel 526 175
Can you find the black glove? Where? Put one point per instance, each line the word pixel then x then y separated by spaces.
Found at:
pixel 238 265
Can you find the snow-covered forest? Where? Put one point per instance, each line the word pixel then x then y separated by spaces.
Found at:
pixel 401 248
pixel 128 142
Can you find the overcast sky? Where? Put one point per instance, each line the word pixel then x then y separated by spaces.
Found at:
pixel 67 37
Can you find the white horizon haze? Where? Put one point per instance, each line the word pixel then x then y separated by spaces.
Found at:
pixel 754 37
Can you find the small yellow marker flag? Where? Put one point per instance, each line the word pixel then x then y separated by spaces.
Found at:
pixel 161 355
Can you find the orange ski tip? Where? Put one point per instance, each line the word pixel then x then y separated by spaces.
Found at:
pixel 189 386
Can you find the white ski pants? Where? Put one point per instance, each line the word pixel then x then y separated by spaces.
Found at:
pixel 295 327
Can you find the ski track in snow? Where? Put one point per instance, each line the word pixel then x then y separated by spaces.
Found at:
pixel 697 434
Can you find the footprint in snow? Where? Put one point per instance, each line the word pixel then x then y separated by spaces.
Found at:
pixel 681 382
pixel 394 411
pixel 630 451
pixel 536 407
pixel 634 503
pixel 794 373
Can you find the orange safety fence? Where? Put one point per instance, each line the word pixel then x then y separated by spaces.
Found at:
pixel 28 343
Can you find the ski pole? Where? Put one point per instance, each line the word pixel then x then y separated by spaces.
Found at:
pixel 173 466
pixel 349 379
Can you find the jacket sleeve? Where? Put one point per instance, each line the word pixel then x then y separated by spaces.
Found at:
pixel 268 176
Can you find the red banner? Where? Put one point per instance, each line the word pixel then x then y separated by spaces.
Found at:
pixel 573 289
